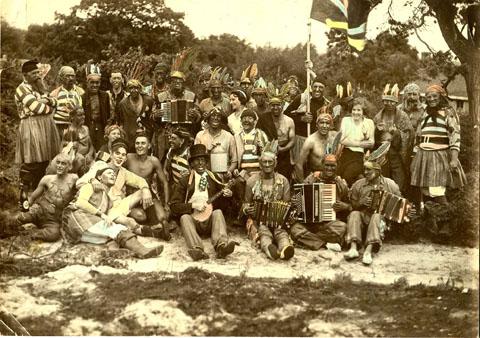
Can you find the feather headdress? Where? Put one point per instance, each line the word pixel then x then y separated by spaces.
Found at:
pixel 271 149
pixel 260 86
pixel 219 76
pixel 378 157
pixel 249 74
pixel 182 62
pixel 275 95
pixel 391 94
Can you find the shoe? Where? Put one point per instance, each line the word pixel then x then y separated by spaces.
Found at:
pixel 127 239
pixel 272 252
pixel 287 252
pixel 334 247
pixel 197 254
pixel 225 249
pixel 367 258
pixel 160 233
pixel 351 254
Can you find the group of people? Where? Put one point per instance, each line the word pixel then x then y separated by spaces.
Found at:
pixel 99 166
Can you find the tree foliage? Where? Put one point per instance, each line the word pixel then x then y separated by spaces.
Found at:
pixel 92 26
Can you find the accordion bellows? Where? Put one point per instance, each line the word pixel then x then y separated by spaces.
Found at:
pixel 314 202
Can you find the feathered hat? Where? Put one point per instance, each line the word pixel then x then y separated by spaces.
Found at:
pixel 260 87
pixel 271 149
pixel 219 77
pixel 275 95
pixel 205 73
pixel 249 74
pixel 390 94
pixel 377 158
pixel 182 62
pixel 91 69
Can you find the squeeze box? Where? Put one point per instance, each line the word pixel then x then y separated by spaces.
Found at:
pixel 176 111
pixel 272 214
pixel 390 206
pixel 314 202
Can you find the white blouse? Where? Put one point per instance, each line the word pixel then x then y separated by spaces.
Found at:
pixel 353 132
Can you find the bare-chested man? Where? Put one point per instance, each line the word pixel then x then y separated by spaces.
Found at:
pixel 53 193
pixel 146 166
pixel 315 147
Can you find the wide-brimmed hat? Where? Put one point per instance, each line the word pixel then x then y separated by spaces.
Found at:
pixel 197 150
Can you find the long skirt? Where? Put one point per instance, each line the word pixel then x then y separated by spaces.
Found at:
pixel 37 140
pixel 431 168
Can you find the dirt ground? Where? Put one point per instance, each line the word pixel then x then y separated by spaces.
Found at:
pixel 409 290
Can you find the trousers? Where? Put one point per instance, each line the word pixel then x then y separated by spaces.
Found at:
pixel 363 227
pixel 216 227
pixel 315 235
pixel 46 219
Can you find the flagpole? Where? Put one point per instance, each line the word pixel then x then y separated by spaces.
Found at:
pixel 308 64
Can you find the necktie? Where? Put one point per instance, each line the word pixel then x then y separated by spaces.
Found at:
pixel 202 185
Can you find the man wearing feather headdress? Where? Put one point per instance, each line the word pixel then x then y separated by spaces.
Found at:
pixel 279 127
pixel 363 222
pixel 259 94
pixel 160 75
pixel 176 91
pixel 247 81
pixel 134 111
pixel 325 234
pixel 268 186
pixel 316 146
pixel 216 99
pixel 393 125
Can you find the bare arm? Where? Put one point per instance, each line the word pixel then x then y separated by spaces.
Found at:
pixel 162 178
pixel 42 187
pixel 304 153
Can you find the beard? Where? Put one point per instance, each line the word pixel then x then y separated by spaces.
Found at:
pixel 39 86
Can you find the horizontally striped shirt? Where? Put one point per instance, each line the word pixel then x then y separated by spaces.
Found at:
pixel 250 157
pixel 28 104
pixel 178 164
pixel 442 135
pixel 65 98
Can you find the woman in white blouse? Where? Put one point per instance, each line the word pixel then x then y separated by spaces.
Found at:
pixel 357 135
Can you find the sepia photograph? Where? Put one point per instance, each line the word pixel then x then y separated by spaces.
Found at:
pixel 257 168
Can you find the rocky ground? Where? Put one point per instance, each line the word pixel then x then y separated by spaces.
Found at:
pixel 409 290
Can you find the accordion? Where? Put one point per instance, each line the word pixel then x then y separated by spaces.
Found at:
pixel 272 214
pixel 314 202
pixel 390 206
pixel 176 111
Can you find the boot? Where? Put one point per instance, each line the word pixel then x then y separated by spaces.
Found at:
pixel 161 233
pixel 225 249
pixel 127 239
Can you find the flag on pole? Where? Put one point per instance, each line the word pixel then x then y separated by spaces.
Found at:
pixel 348 15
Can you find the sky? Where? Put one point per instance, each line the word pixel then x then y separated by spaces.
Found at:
pixel 279 23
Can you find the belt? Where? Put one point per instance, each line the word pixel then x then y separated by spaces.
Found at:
pixel 434 139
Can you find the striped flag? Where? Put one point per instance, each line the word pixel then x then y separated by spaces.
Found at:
pixel 348 15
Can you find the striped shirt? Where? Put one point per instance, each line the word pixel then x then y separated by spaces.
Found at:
pixel 443 134
pixel 65 98
pixel 28 102
pixel 250 154
pixel 179 166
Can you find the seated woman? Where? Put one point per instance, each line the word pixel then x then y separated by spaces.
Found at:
pixel 357 135
pixel 89 218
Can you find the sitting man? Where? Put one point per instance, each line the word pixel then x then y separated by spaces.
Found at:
pixel 316 146
pixel 363 222
pixel 268 186
pixel 317 235
pixel 53 193
pixel 192 196
pixel 89 218
pixel 146 166
pixel 122 204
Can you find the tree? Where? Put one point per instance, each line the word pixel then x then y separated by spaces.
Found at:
pixel 12 39
pixel 95 24
pixel 459 22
